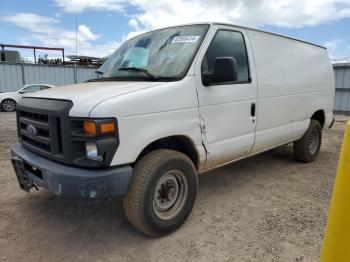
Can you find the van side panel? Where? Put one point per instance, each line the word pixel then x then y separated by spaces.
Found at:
pixel 295 79
pixel 152 114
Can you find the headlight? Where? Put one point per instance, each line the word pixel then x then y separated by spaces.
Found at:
pixel 91 151
pixel 94 141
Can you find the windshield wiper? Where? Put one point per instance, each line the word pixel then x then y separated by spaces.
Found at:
pixel 137 69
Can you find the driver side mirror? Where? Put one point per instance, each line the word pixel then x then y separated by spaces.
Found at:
pixel 225 70
pixel 22 92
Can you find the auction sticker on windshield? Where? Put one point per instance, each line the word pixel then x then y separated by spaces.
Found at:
pixel 185 39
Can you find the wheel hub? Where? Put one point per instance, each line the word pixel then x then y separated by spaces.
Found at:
pixel 167 192
pixel 8 105
pixel 170 194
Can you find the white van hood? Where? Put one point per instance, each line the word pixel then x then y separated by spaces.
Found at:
pixel 86 95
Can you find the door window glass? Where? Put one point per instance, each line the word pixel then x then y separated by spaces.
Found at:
pixel 44 87
pixel 32 88
pixel 227 44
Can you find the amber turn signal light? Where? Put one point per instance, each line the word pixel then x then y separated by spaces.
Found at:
pixel 90 128
pixel 107 127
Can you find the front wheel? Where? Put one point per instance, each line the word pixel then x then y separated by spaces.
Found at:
pixel 307 148
pixel 161 193
pixel 8 105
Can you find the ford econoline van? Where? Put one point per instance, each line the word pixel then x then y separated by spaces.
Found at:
pixel 167 106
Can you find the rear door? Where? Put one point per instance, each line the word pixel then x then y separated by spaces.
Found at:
pixel 227 110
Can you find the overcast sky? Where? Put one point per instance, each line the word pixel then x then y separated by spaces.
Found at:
pixel 104 24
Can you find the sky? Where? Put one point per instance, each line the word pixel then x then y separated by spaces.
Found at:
pixel 104 24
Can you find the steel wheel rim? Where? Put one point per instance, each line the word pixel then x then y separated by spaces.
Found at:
pixel 8 105
pixel 314 141
pixel 170 194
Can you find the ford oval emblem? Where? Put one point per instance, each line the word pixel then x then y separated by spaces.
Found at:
pixel 32 132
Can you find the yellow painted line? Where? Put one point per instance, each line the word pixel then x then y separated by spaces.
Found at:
pixel 336 242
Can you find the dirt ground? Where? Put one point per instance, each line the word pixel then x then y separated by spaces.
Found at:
pixel 266 208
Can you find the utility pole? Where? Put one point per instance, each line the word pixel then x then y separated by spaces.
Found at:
pixel 76 51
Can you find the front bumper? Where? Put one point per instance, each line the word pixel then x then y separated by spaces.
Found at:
pixel 33 170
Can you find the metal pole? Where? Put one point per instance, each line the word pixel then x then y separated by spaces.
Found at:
pixel 63 56
pixel 76 50
pixel 2 58
pixel 34 56
pixel 23 76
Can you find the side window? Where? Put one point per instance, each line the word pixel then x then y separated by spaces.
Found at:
pixel 32 88
pixel 227 44
pixel 44 87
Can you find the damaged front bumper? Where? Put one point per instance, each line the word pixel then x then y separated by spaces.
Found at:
pixel 34 171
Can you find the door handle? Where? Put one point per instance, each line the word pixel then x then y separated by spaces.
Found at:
pixel 252 110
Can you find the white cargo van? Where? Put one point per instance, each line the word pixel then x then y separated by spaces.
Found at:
pixel 168 105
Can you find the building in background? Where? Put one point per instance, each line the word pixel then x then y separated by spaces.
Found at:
pixel 342 85
pixel 16 71
pixel 10 56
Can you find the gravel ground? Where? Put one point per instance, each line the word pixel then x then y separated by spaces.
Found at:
pixel 265 208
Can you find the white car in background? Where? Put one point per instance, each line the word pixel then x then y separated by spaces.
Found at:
pixel 9 100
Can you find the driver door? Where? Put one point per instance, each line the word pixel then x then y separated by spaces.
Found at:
pixel 227 109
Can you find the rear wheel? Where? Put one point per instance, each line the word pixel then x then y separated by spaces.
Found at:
pixel 161 193
pixel 8 105
pixel 307 148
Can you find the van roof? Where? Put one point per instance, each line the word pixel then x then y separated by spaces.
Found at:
pixel 249 28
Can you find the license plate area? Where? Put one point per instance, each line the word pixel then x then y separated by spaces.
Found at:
pixel 35 171
pixel 21 169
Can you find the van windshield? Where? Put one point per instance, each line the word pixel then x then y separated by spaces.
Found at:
pixel 161 54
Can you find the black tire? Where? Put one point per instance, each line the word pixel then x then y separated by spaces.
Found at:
pixel 140 205
pixel 307 148
pixel 8 105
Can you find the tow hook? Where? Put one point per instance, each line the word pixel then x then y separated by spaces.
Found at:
pixel 28 185
pixel 35 186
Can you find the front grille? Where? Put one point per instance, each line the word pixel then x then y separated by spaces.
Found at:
pixel 40 123
pixel 43 127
